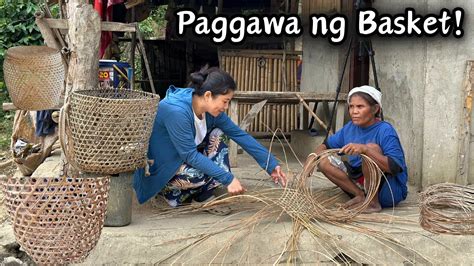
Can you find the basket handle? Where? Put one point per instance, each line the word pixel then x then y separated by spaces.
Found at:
pixel 64 133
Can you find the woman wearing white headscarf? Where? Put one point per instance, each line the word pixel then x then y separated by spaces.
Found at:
pixel 366 134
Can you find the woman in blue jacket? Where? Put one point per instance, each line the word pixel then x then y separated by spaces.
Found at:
pixel 188 143
pixel 366 134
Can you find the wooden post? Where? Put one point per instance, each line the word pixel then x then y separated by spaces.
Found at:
pixel 133 46
pixel 145 58
pixel 84 37
pixel 46 31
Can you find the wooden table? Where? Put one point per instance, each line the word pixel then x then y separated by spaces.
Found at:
pixel 287 98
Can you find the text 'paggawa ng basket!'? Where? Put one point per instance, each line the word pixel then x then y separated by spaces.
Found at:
pixel 56 220
pixel 34 76
pixel 108 130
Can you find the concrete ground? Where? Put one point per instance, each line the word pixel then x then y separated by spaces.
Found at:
pixel 152 238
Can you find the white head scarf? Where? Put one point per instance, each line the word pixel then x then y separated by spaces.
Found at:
pixel 373 92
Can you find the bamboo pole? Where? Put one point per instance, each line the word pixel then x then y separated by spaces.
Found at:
pixel 277 116
pixel 320 122
pixel 267 75
pixel 274 117
pixel 228 64
pixel 252 74
pixel 239 70
pixel 288 74
pixel 295 75
pixel 270 74
pixel 245 74
pixel 257 76
pixel 275 75
pixel 279 75
pixel 262 76
pixel 292 112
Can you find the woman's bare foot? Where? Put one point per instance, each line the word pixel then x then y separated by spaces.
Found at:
pixel 374 206
pixel 354 201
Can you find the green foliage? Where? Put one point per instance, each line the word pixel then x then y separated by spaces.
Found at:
pixel 17 24
pixel 154 25
pixel 17 27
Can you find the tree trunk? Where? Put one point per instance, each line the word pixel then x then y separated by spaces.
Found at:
pixel 83 42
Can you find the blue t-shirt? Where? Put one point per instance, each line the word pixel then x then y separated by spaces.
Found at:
pixel 380 133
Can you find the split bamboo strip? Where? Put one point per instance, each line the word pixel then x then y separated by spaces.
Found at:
pixel 257 76
pixel 277 75
pixel 274 117
pixel 293 119
pixel 236 70
pixel 295 75
pixel 261 68
pixel 233 65
pixel 229 65
pixel 287 75
pixel 270 73
pixel 292 76
pixel 252 74
pixel 241 71
pixel 278 116
pixel 246 78
pixel 268 77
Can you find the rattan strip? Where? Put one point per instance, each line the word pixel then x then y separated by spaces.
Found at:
pixel 448 208
pixel 56 220
pixel 299 198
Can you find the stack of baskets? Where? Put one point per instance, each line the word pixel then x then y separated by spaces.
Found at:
pixel 58 220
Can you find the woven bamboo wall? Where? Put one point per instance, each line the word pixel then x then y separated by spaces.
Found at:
pixel 264 70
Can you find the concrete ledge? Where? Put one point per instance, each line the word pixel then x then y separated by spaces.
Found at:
pixel 303 143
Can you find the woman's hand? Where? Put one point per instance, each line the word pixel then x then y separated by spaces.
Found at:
pixel 235 188
pixel 279 176
pixel 354 149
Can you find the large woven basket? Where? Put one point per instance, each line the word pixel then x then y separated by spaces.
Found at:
pixel 108 130
pixel 34 76
pixel 56 220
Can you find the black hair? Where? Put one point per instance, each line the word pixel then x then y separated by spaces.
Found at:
pixel 371 101
pixel 213 79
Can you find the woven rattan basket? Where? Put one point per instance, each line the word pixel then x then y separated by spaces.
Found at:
pixel 108 130
pixel 56 220
pixel 448 209
pixel 34 76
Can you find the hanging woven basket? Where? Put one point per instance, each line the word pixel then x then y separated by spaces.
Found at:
pixel 34 76
pixel 107 130
pixel 56 220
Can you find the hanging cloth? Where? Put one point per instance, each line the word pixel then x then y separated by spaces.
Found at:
pixel 104 8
